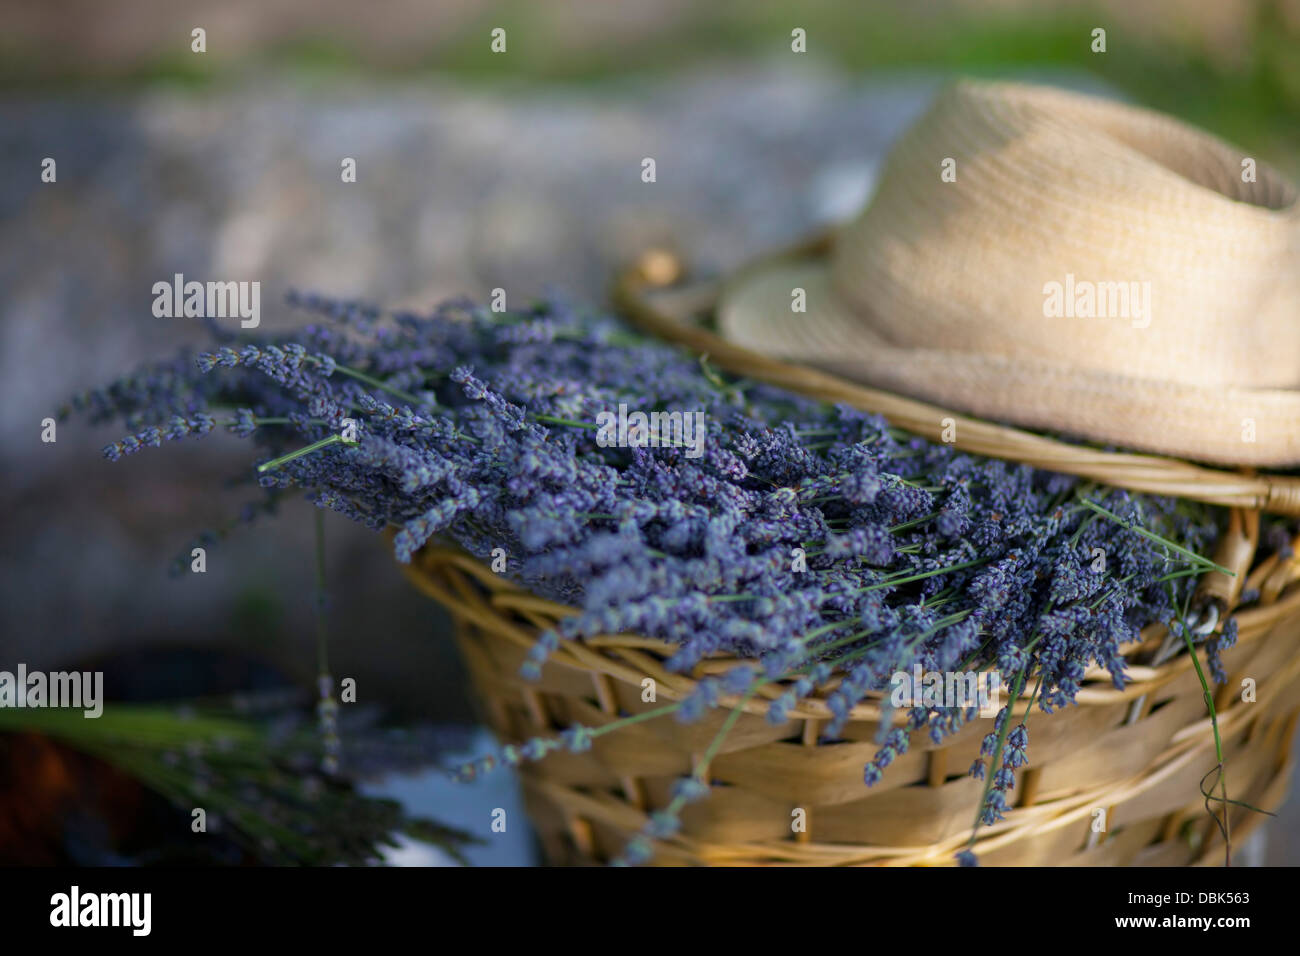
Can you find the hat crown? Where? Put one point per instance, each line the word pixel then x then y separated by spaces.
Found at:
pixel 1031 223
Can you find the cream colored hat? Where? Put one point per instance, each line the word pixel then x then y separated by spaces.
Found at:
pixel 1060 262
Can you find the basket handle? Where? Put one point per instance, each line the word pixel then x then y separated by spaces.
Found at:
pixel 658 271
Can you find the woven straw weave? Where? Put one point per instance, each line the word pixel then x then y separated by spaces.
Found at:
pixel 1145 772
pixel 936 289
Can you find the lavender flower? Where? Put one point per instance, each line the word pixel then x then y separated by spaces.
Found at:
pixel 807 541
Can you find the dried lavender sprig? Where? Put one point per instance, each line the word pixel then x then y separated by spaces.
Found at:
pixel 1159 539
pixel 1222 823
pixel 295 455
pixel 576 738
pixel 327 707
pixel 667 822
pixel 328 367
pixel 698 553
pixel 200 424
pixel 988 811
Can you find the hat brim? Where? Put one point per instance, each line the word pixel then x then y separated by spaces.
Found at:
pixel 1225 426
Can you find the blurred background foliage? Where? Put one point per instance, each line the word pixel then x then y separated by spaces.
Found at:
pixel 211 782
pixel 1232 66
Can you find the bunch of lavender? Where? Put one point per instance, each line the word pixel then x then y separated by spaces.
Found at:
pixel 251 765
pixel 813 543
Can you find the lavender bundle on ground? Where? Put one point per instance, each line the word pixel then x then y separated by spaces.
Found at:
pixel 816 545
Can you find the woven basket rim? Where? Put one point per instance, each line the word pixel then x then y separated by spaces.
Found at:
pixel 503 598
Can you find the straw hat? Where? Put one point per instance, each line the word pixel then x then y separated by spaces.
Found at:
pixel 1084 266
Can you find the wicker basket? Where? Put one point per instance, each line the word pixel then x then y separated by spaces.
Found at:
pixel 1139 754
